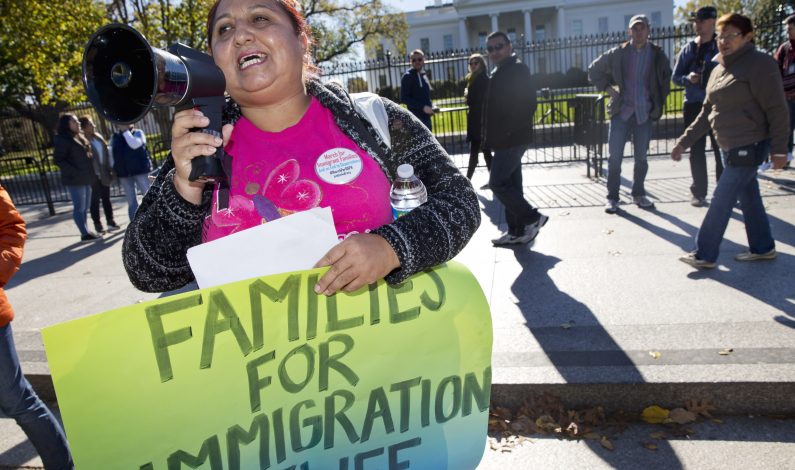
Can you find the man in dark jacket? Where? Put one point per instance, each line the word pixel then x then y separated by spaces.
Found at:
pixel 131 163
pixel 415 90
pixel 508 130
pixel 642 74
pixel 692 70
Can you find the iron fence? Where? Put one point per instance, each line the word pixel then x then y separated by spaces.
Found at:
pixel 558 69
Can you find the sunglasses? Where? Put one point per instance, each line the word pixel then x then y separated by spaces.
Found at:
pixel 496 47
pixel 418 59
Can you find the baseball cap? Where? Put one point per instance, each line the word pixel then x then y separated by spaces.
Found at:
pixel 638 19
pixel 704 13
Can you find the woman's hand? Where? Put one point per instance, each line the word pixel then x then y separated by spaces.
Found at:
pixel 186 145
pixel 676 153
pixel 359 260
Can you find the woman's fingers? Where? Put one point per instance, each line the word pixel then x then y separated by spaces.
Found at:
pixel 359 260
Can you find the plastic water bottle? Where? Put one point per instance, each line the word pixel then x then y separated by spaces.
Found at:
pixel 407 191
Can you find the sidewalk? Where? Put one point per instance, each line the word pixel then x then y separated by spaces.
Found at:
pixel 576 314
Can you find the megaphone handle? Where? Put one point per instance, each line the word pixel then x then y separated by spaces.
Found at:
pixel 208 167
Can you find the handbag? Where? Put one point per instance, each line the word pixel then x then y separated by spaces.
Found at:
pixel 747 155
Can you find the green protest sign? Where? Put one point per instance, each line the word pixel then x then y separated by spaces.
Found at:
pixel 264 373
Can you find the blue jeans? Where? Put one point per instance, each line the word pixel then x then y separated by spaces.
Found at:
pixel 81 199
pixel 619 132
pixel 129 183
pixel 736 183
pixel 791 106
pixel 505 181
pixel 19 401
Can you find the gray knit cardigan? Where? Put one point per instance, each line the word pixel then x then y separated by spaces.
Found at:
pixel 166 225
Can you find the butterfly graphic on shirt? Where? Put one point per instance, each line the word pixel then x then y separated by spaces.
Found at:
pixel 283 193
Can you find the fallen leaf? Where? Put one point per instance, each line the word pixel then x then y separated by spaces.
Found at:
pixel 563 214
pixel 573 429
pixel 657 435
pixel 608 231
pixel 654 414
pixel 565 326
pixel 592 435
pixel 703 407
pixel 717 421
pixel 605 442
pixel 726 352
pixel 680 416
pixel 649 445
pixel 655 354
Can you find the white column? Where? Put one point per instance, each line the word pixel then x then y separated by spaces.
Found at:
pixel 463 36
pixel 528 26
pixel 561 23
pixel 494 25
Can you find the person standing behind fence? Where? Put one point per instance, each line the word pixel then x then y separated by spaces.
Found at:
pixel 415 89
pixel 785 56
pixel 18 400
pixel 642 73
pixel 692 70
pixel 73 155
pixel 103 172
pixel 477 83
pixel 508 111
pixel 131 163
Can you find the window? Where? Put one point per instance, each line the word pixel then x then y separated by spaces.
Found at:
pixel 603 25
pixel 656 19
pixel 512 34
pixel 425 45
pixel 448 42
pixel 540 33
pixel 576 28
pixel 482 40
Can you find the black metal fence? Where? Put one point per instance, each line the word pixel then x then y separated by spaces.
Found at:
pixel 558 70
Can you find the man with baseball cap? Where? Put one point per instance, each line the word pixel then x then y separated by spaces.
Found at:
pixel 637 77
pixel 785 55
pixel 692 70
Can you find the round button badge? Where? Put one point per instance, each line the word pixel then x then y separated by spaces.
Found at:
pixel 338 166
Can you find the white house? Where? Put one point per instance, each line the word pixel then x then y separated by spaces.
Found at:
pixel 464 24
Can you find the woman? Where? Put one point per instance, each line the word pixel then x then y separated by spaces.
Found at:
pixel 103 176
pixel 746 108
pixel 286 123
pixel 73 156
pixel 477 83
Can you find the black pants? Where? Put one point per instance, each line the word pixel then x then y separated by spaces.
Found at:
pixel 100 191
pixel 474 150
pixel 698 156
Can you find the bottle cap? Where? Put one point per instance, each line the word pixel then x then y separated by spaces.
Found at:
pixel 405 171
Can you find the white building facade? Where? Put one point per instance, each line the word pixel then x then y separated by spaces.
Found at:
pixel 465 24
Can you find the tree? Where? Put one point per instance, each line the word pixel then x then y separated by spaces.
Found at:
pixel 339 25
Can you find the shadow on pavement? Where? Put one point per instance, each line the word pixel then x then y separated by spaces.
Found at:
pixel 545 308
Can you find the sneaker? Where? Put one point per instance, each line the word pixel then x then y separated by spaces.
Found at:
pixel 691 259
pixel 89 237
pixel 643 202
pixel 507 239
pixel 765 166
pixel 112 227
pixel 99 229
pixel 611 207
pixel 485 186
pixel 748 256
pixel 698 202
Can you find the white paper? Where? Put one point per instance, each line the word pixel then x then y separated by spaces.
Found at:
pixel 292 243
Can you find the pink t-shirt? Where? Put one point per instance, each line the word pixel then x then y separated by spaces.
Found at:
pixel 311 164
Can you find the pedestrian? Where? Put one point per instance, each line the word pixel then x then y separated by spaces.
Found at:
pixel 693 67
pixel 72 154
pixel 18 400
pixel 508 111
pixel 637 76
pixel 131 163
pixel 103 176
pixel 785 56
pixel 746 108
pixel 287 128
pixel 415 89
pixel 477 83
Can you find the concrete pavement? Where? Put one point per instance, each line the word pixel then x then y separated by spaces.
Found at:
pixel 598 311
